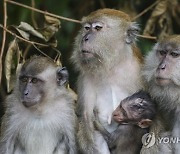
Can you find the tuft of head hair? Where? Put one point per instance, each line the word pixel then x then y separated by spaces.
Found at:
pixel 107 12
pixel 37 64
pixel 171 38
pixel 147 105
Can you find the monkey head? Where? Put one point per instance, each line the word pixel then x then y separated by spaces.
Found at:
pixel 104 36
pixel 137 109
pixel 161 69
pixel 39 80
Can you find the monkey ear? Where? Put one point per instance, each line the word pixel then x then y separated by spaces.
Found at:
pixel 132 33
pixel 144 123
pixel 62 76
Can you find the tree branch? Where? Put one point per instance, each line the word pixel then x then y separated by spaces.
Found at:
pixel 146 10
pixel 4 37
pixel 43 12
pixel 31 42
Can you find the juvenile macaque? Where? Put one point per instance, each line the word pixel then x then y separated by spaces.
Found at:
pixel 162 76
pixel 109 65
pixel 39 117
pixel 134 116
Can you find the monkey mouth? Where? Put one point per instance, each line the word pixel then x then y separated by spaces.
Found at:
pixel 117 119
pixel 162 81
pixel 87 53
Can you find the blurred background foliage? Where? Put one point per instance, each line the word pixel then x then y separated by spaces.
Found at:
pixel 159 21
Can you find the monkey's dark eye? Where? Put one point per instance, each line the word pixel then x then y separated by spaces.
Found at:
pixel 174 55
pixel 98 28
pixel 23 79
pixel 87 28
pixel 162 52
pixel 34 80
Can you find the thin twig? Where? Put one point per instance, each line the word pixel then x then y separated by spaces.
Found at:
pixel 4 38
pixel 31 42
pixel 41 51
pixel 146 10
pixel 147 37
pixel 33 15
pixel 43 12
pixel 26 51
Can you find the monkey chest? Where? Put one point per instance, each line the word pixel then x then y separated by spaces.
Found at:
pixel 39 139
pixel 107 99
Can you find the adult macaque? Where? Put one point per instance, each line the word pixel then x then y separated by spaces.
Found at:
pixel 39 117
pixel 109 65
pixel 162 74
pixel 134 115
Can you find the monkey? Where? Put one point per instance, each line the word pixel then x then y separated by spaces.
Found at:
pixel 40 113
pixel 134 115
pixel 109 64
pixel 162 77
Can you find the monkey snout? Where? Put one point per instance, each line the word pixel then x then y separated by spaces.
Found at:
pixel 162 66
pixel 86 37
pixel 26 92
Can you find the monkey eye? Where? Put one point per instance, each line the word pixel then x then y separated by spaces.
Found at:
pixel 34 80
pixel 23 79
pixel 174 55
pixel 162 52
pixel 87 27
pixel 98 28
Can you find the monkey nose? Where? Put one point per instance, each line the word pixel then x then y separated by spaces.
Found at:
pixel 86 37
pixel 162 66
pixel 26 92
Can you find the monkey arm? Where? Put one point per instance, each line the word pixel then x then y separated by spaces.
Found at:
pixel 99 127
pixel 85 115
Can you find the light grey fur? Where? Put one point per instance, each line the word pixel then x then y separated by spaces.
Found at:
pixel 47 129
pixel 167 97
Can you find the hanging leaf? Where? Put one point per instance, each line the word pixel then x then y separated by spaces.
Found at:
pixel 28 28
pixel 11 63
pixel 51 26
pixel 160 22
pixel 23 33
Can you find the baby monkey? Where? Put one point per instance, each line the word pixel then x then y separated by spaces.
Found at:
pixel 134 116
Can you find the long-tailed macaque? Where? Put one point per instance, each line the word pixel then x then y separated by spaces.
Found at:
pixel 134 116
pixel 162 75
pixel 109 65
pixel 40 116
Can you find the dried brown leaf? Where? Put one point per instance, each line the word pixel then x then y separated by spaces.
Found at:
pixel 160 22
pixel 10 65
pixel 28 28
pixel 51 26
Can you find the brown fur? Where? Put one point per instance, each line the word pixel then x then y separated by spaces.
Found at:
pixel 107 12
pixel 137 53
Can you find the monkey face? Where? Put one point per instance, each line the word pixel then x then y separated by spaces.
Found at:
pixel 163 63
pixel 134 109
pixel 39 80
pixel 100 40
pixel 168 54
pixel 31 90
